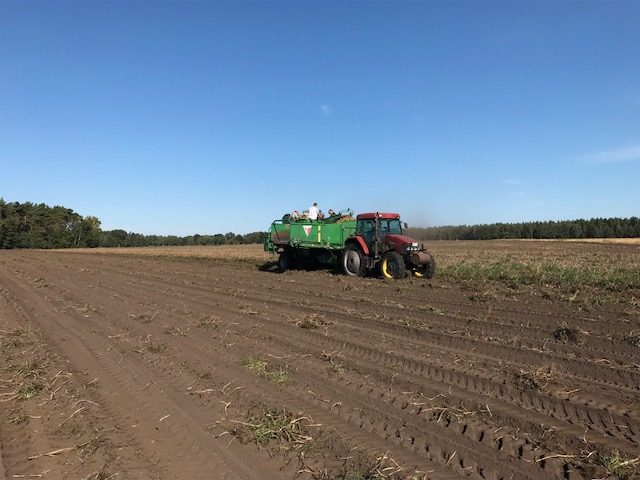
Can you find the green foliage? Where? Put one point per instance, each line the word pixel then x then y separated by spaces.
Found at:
pixel 120 238
pixel 27 225
pixel 28 391
pixel 516 274
pixel 617 466
pixel 277 376
pixel 593 228
pixel 261 367
pixel 566 334
pixel 279 425
pixel 255 364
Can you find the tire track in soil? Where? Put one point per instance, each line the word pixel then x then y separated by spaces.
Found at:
pixel 64 340
pixel 151 403
pixel 44 437
pixel 606 426
pixel 383 296
pixel 359 438
pixel 192 301
pixel 501 445
pixel 321 383
pixel 373 427
pixel 470 325
pixel 386 301
pixel 627 379
pixel 462 460
pixel 605 423
pixel 604 379
pixel 3 474
pixel 617 350
pixel 17 448
pixel 415 375
pixel 363 441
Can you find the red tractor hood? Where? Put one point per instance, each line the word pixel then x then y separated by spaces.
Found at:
pixel 399 240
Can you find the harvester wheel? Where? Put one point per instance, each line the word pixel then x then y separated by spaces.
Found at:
pixel 392 266
pixel 352 261
pixel 428 270
pixel 285 261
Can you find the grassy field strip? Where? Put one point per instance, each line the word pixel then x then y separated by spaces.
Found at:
pixel 624 241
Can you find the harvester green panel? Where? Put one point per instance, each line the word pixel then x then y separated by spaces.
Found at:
pixel 305 234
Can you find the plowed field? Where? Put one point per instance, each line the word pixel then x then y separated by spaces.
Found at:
pixel 164 367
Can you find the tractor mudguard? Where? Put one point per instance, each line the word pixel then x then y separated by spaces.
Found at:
pixel 359 241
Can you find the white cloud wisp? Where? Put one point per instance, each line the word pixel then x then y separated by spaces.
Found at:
pixel 618 155
pixel 326 109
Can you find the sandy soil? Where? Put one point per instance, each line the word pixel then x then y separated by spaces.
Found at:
pixel 117 366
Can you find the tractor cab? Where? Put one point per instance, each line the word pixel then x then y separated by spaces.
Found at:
pixel 374 228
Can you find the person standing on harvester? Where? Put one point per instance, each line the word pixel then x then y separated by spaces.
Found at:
pixel 313 212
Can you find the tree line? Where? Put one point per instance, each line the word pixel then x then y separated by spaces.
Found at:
pixel 28 225
pixel 593 228
pixel 121 238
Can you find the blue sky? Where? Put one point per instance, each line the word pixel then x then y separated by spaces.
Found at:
pixel 205 117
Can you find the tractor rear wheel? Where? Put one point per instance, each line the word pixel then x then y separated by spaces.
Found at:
pixel 285 261
pixel 392 266
pixel 428 270
pixel 352 261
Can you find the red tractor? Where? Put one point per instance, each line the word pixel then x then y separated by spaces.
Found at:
pixel 379 242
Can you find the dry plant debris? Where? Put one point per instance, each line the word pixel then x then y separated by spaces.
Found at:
pixel 43 400
pixel 177 331
pixel 368 468
pixel 533 379
pixel 335 359
pixel 566 334
pixel 280 425
pixel 610 464
pixel 27 391
pixel 151 345
pixel 312 321
pixel 632 339
pixel 210 322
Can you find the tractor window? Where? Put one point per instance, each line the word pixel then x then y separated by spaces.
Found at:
pixel 390 226
pixel 365 228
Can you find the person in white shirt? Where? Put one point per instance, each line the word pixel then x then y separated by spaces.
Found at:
pixel 313 212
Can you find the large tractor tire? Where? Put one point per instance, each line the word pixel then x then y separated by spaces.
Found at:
pixel 352 261
pixel 285 261
pixel 428 270
pixel 392 266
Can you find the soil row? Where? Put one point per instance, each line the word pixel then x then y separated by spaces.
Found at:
pixel 406 373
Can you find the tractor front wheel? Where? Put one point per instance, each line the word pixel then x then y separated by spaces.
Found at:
pixel 428 270
pixel 392 266
pixel 353 261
